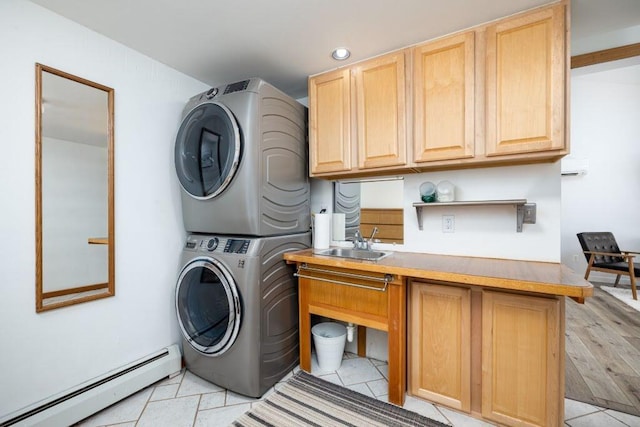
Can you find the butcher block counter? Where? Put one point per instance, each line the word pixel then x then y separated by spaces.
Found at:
pixel 483 336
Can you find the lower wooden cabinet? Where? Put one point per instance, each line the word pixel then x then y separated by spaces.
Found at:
pixel 440 334
pixel 496 355
pixel 522 359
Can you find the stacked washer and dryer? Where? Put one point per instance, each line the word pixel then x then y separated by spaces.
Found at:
pixel 241 159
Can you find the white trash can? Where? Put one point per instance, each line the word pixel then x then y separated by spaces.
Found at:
pixel 329 339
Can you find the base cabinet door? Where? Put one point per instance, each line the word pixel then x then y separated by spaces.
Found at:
pixel 440 340
pixel 522 359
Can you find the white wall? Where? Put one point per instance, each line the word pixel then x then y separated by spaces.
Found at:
pixel 480 231
pixel 605 129
pixel 43 354
pixel 489 231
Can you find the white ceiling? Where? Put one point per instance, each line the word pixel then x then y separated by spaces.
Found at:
pixel 285 41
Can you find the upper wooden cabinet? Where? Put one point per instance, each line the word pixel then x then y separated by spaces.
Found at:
pixel 380 111
pixel 330 122
pixel 443 97
pixel 492 95
pixel 525 83
pixel 370 94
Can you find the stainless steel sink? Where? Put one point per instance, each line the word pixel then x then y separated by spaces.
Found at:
pixel 355 253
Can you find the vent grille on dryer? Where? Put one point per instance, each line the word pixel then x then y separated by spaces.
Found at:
pixel 236 87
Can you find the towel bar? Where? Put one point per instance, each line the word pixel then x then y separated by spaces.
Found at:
pixel 386 279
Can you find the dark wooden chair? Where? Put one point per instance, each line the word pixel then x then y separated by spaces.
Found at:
pixel 603 254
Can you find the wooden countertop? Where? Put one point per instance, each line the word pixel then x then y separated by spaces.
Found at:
pixel 528 276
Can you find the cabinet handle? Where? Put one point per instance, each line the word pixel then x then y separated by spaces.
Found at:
pixel 386 279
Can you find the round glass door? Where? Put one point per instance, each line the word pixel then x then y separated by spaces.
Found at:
pixel 207 150
pixel 208 306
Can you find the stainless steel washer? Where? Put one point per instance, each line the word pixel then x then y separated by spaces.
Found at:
pixel 237 307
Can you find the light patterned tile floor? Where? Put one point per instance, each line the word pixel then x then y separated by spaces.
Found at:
pixel 187 400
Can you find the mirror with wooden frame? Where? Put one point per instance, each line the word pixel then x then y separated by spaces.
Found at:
pixel 74 190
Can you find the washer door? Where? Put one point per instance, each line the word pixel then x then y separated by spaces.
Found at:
pixel 207 150
pixel 208 306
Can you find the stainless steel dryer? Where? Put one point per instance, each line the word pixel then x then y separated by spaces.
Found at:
pixel 241 159
pixel 237 307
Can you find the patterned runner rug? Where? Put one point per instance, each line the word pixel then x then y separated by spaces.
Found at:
pixel 306 400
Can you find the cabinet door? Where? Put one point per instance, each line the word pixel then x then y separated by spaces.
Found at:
pixel 439 358
pixel 444 113
pixel 330 122
pixel 522 359
pixel 525 83
pixel 381 111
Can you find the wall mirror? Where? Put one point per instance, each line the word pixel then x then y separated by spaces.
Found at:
pixel 74 190
pixel 372 203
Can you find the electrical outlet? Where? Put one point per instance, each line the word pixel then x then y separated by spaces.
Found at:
pixel 448 223
pixel 575 257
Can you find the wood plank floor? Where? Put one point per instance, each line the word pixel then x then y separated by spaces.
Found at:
pixel 603 353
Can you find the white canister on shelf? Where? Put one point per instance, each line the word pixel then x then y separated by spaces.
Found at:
pixel 445 191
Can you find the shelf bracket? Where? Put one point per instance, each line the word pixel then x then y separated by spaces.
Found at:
pixel 526 214
pixel 419 213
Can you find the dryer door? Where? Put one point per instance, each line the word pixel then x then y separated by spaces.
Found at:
pixel 207 150
pixel 208 306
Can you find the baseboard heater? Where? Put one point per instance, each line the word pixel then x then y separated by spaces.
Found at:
pixel 92 396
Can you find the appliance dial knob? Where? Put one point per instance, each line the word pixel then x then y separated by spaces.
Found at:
pixel 212 244
pixel 211 93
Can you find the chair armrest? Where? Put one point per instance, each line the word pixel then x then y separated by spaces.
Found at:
pixel 624 254
pixel 630 252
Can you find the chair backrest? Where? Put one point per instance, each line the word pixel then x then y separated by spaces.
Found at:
pixel 602 241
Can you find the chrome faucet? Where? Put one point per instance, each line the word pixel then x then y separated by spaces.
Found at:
pixel 360 243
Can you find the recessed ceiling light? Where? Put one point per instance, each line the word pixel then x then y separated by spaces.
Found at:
pixel 340 54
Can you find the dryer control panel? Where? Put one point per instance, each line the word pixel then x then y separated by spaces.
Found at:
pixel 217 245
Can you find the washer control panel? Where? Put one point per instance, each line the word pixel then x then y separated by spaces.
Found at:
pixel 236 246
